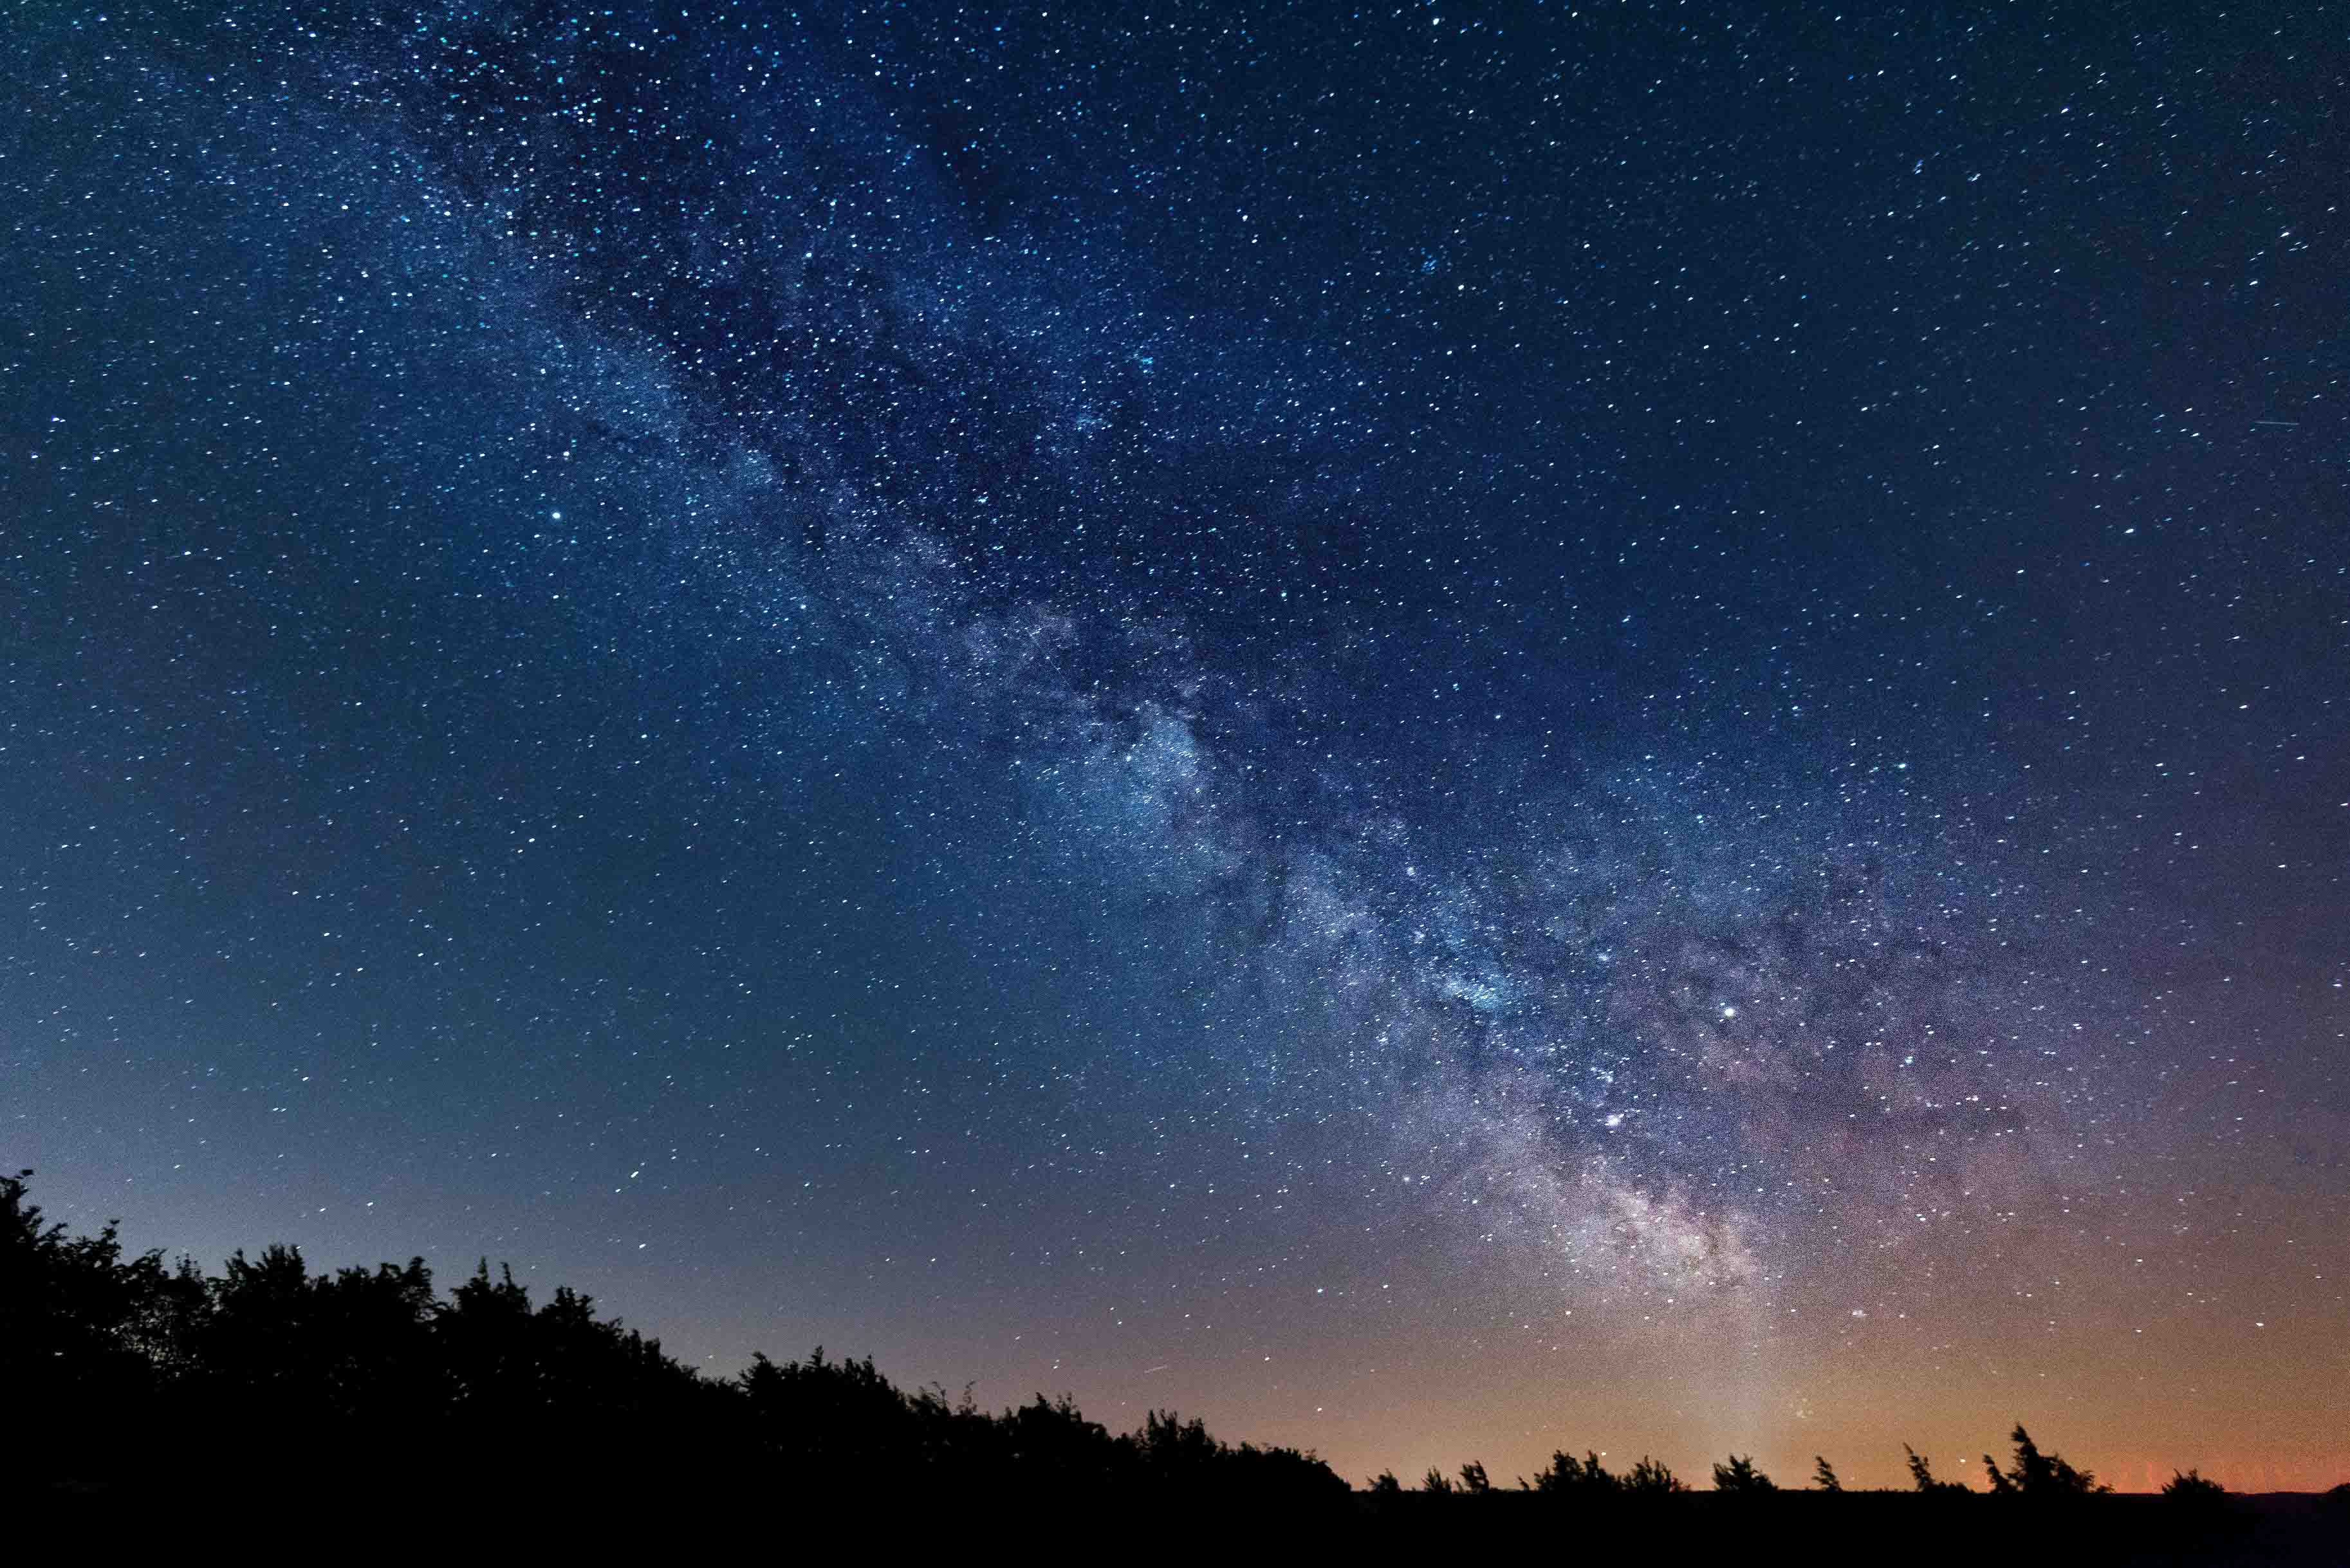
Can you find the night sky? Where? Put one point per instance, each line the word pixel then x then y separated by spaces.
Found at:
pixel 1438 730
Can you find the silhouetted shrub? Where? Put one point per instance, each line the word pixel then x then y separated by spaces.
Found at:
pixel 1921 1476
pixel 1650 1477
pixel 1568 1475
pixel 2193 1487
pixel 1739 1476
pixel 2038 1475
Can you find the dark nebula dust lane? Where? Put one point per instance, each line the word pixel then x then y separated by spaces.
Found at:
pixel 1429 732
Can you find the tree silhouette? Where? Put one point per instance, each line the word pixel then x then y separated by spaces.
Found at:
pixel 1921 1475
pixel 1052 1444
pixel 2193 1487
pixel 77 1322
pixel 1176 1453
pixel 1824 1476
pixel 1473 1479
pixel 1650 1477
pixel 1264 1476
pixel 2197 1507
pixel 2038 1475
pixel 1739 1475
pixel 1585 1476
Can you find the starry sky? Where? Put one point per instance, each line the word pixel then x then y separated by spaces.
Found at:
pixel 1440 731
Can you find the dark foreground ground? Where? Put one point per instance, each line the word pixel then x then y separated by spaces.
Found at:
pixel 1886 1528
pixel 781 1522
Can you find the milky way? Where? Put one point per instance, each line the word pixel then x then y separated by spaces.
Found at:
pixel 1184 670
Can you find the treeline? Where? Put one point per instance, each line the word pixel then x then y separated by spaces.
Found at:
pixel 2038 1508
pixel 121 1373
pixel 122 1376
pixel 2032 1474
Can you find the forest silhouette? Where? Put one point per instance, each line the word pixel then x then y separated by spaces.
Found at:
pixel 126 1377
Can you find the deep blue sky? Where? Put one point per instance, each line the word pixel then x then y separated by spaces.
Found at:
pixel 1442 732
